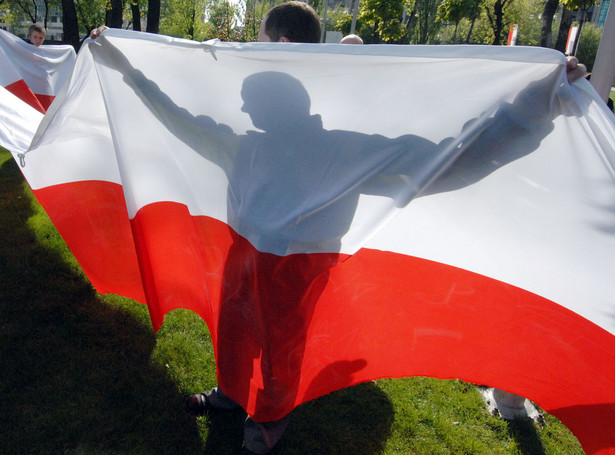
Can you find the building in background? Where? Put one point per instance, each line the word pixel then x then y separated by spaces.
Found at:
pixel 54 27
pixel 600 10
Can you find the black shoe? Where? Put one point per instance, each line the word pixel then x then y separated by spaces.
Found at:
pixel 197 404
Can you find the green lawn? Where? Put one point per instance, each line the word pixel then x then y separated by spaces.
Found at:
pixel 84 374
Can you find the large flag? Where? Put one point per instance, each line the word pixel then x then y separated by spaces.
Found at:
pixel 30 79
pixel 18 123
pixel 338 214
pixel 34 74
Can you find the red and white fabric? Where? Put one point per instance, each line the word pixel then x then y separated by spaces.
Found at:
pixel 338 214
pixel 34 74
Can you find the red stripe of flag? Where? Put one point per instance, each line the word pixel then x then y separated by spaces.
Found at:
pixel 21 90
pixel 409 316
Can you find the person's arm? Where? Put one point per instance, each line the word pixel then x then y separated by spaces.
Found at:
pixel 214 141
pixel 98 31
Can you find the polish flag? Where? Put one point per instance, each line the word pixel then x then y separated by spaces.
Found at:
pixel 18 123
pixel 34 74
pixel 338 214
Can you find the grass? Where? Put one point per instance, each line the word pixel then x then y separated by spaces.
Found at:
pixel 84 374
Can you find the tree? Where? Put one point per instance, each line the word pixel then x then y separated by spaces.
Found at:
pixel 115 13
pixel 222 18
pixel 136 15
pixel 583 6
pixel 564 27
pixel 30 10
pixel 474 13
pixel 90 14
pixel 495 14
pixel 70 23
pixel 185 19
pixel 153 16
pixel 252 12
pixel 427 26
pixel 526 13
pixel 457 10
pixel 588 45
pixel 384 18
pixel 547 22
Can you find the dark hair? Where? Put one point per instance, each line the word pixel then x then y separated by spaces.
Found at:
pixel 36 27
pixel 295 20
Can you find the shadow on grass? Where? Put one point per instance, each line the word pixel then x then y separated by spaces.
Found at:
pixel 523 430
pixel 76 373
pixel 352 421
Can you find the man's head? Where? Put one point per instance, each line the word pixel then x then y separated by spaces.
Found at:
pixel 294 22
pixel 351 39
pixel 36 34
pixel 275 101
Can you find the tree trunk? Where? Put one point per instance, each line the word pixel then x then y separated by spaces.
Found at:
pixel 70 24
pixel 498 22
pixel 475 11
pixel 191 26
pixel 577 38
pixel 153 16
pixel 136 16
pixel 564 27
pixel 31 14
pixel 547 22
pixel 410 17
pixel 46 13
pixel 114 15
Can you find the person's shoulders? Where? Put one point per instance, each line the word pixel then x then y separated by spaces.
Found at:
pixel 375 138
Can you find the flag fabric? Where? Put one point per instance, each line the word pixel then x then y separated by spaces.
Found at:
pixel 30 78
pixel 338 214
pixel 34 74
pixel 18 122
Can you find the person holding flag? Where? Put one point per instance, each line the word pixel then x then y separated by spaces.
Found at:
pixel 288 22
pixel 37 34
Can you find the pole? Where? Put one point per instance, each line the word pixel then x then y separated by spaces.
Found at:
pixel 603 73
pixel 324 22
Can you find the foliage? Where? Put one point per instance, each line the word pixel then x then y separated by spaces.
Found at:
pixel 344 23
pixel 383 18
pixel 135 10
pixel 456 10
pixel 185 19
pixel 546 30
pixel 335 16
pixel 394 21
pixel 222 17
pixel 425 25
pixel 467 31
pixel 588 45
pixel 495 11
pixel 252 12
pixel 526 14
pixel 15 12
pixel 90 14
pixel 579 4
